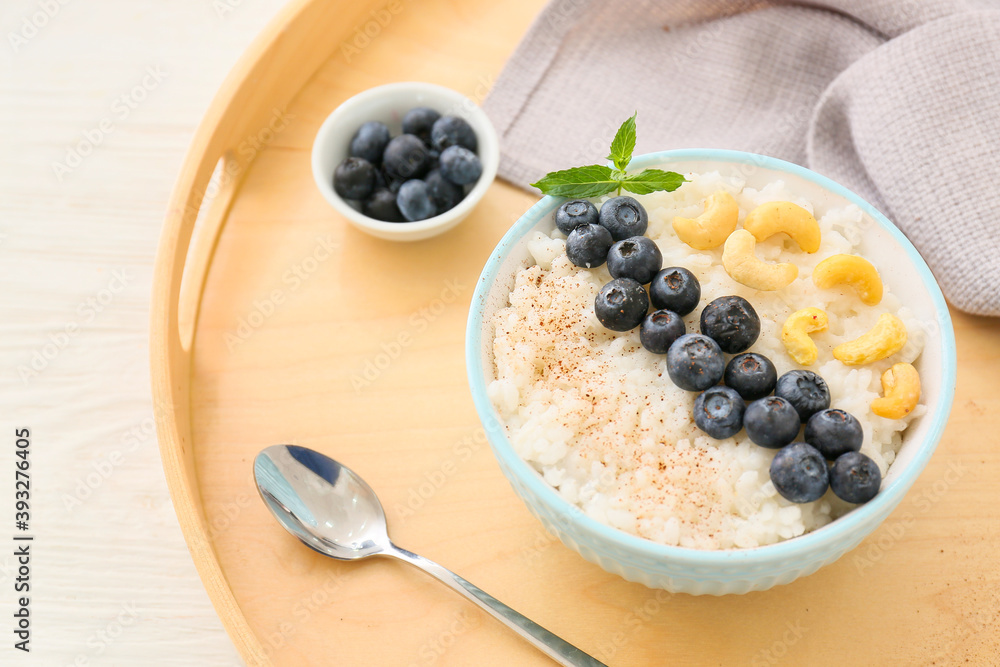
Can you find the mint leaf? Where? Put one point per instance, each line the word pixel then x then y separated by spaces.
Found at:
pixel 596 180
pixel 652 180
pixel 590 181
pixel 623 144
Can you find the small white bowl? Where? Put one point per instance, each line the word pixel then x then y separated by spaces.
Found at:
pixel 388 104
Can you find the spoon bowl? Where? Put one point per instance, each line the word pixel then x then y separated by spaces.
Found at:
pixel 333 511
pixel 327 506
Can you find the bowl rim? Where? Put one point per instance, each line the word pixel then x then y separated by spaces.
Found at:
pixel 825 537
pixel 489 154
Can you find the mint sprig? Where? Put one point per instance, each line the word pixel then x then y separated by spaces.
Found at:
pixel 596 180
pixel 623 144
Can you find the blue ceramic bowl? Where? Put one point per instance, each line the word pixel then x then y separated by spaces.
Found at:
pixel 740 570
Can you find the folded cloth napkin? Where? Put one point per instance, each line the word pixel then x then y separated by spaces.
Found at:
pixel 899 100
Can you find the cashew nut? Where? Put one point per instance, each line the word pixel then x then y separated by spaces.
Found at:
pixel 795 334
pixel 745 268
pixel 852 270
pixel 711 228
pixel 886 338
pixel 775 217
pixel 901 386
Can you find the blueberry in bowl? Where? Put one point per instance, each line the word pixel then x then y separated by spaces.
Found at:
pixel 718 411
pixel 588 245
pixel 731 322
pixel 771 422
pixel 624 217
pixel 369 141
pixel 460 165
pixel 660 329
pixel 675 288
pixel 575 213
pixel 419 121
pixel 855 478
pixel 354 178
pixel 695 362
pixel 391 128
pixel 621 305
pixel 636 257
pixel 799 473
pixel 805 390
pixel 834 433
pixel 751 374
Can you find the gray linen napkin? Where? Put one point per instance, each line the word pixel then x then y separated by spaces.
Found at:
pixel 899 100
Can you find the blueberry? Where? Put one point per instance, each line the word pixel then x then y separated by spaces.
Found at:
pixel 575 212
pixel 354 178
pixel 695 362
pixel 660 329
pixel 460 165
pixel 718 411
pixel 405 157
pixel 637 258
pixel 855 478
pixel 834 433
pixel 588 246
pixel 433 159
pixel 771 422
pixel 453 131
pixel 418 121
pixel 799 473
pixel 445 194
pixel 621 304
pixel 414 200
pixel 382 206
pixel 752 375
pixel 393 183
pixel 624 217
pixel 805 390
pixel 369 142
pixel 675 288
pixel 731 322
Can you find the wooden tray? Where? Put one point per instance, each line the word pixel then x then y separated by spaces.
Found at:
pixel 274 321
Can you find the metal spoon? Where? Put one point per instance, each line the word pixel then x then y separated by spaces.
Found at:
pixel 333 511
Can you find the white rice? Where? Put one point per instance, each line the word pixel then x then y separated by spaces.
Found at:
pixel 598 417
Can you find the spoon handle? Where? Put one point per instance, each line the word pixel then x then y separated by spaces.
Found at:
pixel 556 648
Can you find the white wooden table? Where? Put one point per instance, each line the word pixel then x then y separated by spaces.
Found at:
pixel 98 103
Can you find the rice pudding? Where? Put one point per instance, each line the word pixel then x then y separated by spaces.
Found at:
pixel 597 416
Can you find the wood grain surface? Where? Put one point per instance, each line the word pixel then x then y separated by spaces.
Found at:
pixel 313 333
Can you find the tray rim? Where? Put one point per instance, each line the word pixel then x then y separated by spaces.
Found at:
pixel 303 32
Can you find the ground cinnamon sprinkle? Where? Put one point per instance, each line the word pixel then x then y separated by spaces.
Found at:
pixel 596 415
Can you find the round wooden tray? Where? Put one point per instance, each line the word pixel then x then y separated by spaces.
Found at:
pixel 273 321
